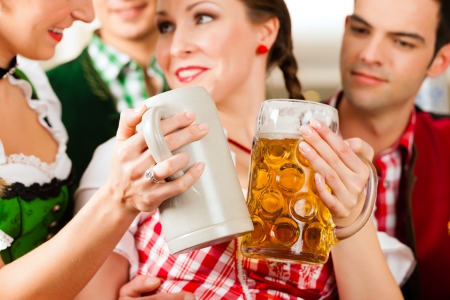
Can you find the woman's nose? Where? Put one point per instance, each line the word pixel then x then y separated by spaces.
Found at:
pixel 83 10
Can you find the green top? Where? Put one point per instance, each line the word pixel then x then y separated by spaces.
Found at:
pixel 123 76
pixel 31 222
pixel 90 100
pixel 30 215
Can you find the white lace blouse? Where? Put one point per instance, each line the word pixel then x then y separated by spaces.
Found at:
pixel 27 170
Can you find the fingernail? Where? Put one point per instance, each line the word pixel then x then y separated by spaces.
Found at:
pixel 151 280
pixel 316 124
pixel 203 126
pixel 139 108
pixel 189 297
pixel 305 147
pixel 190 115
pixel 200 166
pixel 306 130
pixel 347 143
pixel 317 177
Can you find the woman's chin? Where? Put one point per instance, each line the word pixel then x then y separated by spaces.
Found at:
pixel 41 54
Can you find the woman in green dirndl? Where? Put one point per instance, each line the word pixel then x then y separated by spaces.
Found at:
pixel 37 261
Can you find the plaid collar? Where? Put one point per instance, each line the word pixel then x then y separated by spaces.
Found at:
pixel 106 55
pixel 406 140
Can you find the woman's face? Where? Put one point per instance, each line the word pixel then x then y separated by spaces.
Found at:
pixel 33 28
pixel 208 43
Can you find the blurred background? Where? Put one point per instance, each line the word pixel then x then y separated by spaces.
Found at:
pixel 318 26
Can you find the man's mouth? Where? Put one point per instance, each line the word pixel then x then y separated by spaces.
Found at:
pixel 56 33
pixel 367 78
pixel 131 12
pixel 188 74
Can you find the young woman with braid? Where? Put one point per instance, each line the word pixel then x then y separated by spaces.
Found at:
pixel 228 46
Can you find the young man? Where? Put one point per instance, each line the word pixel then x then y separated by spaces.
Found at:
pixel 116 70
pixel 389 47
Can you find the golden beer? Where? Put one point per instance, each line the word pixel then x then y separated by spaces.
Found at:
pixel 290 221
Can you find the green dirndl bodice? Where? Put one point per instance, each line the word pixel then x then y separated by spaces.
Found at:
pixel 32 215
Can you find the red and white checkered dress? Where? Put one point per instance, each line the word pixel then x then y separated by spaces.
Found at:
pixel 220 272
pixel 389 165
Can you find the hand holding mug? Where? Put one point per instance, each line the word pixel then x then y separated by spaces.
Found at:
pixel 337 168
pixel 131 158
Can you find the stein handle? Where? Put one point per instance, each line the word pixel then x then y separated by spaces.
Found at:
pixel 151 127
pixel 371 195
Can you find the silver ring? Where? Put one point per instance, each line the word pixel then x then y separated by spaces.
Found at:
pixel 149 175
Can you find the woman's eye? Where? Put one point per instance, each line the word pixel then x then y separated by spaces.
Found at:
pixel 166 27
pixel 203 19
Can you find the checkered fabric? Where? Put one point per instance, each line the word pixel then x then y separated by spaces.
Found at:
pixel 389 165
pixel 220 272
pixel 123 76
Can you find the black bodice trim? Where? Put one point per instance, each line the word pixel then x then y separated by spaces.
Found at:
pixel 10 70
pixel 42 191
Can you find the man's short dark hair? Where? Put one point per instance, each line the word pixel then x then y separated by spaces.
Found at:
pixel 443 30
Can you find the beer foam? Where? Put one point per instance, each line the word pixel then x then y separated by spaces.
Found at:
pixel 287 116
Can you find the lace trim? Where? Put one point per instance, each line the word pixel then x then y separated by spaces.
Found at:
pixel 47 169
pixel 42 191
pixel 5 240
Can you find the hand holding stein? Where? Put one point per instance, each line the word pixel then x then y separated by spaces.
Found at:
pixel 288 200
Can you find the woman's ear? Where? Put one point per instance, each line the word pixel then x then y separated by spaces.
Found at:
pixel 440 62
pixel 268 32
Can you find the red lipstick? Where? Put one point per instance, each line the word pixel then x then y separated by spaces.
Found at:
pixel 188 74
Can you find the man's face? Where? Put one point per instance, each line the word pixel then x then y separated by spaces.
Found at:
pixel 387 48
pixel 127 19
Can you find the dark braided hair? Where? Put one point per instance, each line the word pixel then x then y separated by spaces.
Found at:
pixel 281 54
pixel 443 30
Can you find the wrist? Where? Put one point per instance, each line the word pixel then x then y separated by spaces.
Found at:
pixel 116 200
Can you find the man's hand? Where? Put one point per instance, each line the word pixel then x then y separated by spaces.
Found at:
pixel 144 284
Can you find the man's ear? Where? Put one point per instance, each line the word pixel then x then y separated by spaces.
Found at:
pixel 269 32
pixel 440 62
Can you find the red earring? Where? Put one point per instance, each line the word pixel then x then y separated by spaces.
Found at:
pixel 262 49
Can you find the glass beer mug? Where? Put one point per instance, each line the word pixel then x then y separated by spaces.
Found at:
pixel 290 221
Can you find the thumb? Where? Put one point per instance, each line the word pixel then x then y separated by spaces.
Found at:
pixel 360 147
pixel 139 285
pixel 129 119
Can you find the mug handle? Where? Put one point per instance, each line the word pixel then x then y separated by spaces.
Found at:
pixel 371 195
pixel 151 127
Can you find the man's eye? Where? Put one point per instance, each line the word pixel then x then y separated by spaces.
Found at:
pixel 359 30
pixel 166 27
pixel 405 44
pixel 203 19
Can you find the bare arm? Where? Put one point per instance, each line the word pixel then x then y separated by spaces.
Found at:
pixel 108 280
pixel 111 283
pixel 360 267
pixel 61 267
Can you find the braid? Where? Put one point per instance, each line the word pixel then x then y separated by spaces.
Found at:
pixel 289 68
pixel 281 54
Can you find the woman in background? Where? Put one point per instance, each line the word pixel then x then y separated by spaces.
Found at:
pixel 227 46
pixel 36 262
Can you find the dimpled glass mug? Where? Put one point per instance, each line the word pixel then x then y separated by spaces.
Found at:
pixel 291 222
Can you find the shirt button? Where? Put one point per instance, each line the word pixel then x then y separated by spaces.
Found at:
pixel 386 184
pixel 49 236
pixel 56 208
pixel 53 224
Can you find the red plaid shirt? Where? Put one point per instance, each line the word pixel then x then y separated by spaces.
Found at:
pixel 221 272
pixel 389 166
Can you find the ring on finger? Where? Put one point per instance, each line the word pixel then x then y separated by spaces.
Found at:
pixel 151 176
